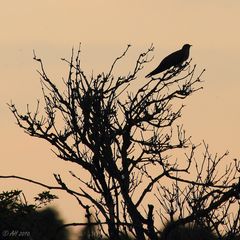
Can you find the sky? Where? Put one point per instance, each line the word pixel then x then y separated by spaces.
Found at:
pixel 104 28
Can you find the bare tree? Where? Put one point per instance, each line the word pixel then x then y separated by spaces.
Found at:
pixel 141 163
pixel 209 201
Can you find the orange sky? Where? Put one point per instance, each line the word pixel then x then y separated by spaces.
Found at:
pixel 105 27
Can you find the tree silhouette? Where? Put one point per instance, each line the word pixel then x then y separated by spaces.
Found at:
pixel 21 220
pixel 143 168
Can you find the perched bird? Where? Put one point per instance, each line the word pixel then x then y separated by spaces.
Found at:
pixel 173 60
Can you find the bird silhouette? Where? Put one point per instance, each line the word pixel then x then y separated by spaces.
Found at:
pixel 172 60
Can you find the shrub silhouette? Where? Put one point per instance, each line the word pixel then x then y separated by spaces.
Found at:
pixel 20 220
pixel 187 232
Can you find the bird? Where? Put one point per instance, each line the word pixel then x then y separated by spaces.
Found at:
pixel 172 60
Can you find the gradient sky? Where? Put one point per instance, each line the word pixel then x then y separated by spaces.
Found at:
pixel 105 27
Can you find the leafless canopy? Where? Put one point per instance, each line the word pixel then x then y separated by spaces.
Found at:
pixel 123 131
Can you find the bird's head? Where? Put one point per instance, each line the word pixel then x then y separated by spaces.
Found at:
pixel 186 46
